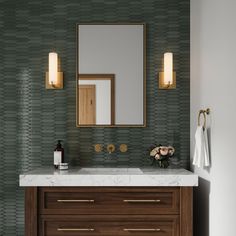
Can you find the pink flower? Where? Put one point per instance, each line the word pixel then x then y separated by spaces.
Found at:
pixel 164 150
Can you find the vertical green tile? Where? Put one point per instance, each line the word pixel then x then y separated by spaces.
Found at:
pixel 32 118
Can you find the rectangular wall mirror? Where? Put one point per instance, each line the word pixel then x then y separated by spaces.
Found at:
pixel 111 75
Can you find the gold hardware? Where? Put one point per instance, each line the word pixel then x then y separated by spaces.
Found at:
pixel 123 148
pixel 73 229
pixel 142 230
pixel 98 147
pixel 162 85
pixel 111 148
pixel 142 201
pixel 59 84
pixel 203 112
pixel 72 200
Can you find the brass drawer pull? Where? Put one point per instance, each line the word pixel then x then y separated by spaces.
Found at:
pixel 63 200
pixel 143 201
pixel 144 230
pixel 73 229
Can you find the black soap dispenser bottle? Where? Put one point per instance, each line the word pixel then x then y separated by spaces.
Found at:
pixel 58 154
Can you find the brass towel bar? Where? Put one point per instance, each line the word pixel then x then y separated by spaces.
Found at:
pixel 203 112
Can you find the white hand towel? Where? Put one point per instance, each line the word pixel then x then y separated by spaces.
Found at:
pixel 201 152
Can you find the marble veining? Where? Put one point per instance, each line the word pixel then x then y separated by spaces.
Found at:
pixel 108 177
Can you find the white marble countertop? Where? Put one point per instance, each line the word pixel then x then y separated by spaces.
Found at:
pixel 108 177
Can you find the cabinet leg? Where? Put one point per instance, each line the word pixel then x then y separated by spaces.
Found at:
pixel 31 211
pixel 186 211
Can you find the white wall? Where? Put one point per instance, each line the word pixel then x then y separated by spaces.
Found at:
pixel 116 49
pixel 103 100
pixel 213 85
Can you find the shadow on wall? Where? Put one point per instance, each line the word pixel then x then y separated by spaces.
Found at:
pixel 201 208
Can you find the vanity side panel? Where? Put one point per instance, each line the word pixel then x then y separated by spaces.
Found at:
pixel 31 211
pixel 186 211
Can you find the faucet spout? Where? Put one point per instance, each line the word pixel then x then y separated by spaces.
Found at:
pixel 110 148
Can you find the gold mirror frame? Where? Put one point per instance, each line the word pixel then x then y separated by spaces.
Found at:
pixel 144 76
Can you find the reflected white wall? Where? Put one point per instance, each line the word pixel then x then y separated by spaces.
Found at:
pixel 103 100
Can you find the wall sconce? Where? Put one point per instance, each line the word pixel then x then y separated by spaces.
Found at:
pixel 54 79
pixel 167 79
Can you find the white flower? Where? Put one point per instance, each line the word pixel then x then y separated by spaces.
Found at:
pixel 171 150
pixel 154 151
pixel 157 156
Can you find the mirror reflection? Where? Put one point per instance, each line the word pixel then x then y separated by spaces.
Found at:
pixel 96 99
pixel 111 75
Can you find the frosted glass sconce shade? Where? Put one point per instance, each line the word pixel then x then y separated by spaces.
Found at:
pixel 54 79
pixel 167 79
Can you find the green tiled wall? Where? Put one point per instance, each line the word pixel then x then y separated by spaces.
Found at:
pixel 32 118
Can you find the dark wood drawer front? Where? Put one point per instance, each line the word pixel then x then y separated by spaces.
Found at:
pixel 73 227
pixel 110 201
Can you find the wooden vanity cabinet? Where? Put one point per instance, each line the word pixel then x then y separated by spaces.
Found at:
pixel 108 211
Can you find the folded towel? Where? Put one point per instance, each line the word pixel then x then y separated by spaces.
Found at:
pixel 201 152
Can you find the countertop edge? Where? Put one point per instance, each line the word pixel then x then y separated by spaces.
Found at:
pixel 128 180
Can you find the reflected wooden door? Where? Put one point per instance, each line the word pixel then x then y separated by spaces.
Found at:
pixel 87 105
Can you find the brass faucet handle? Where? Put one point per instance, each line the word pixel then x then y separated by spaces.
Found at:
pixel 111 148
pixel 97 147
pixel 123 148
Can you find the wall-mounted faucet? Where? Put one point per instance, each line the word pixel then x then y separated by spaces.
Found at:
pixel 111 148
